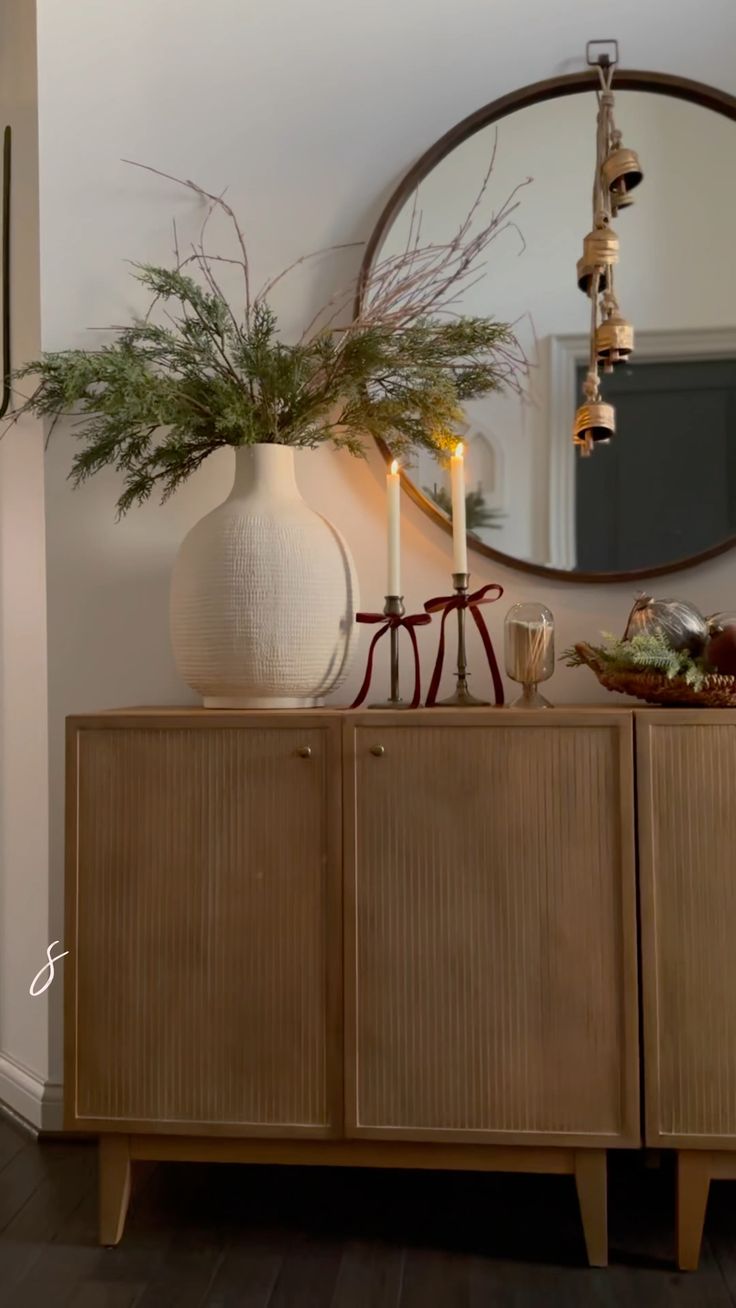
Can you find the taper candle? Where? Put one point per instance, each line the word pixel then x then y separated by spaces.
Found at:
pixel 459 541
pixel 393 503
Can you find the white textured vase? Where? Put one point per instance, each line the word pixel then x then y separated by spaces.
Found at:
pixel 263 594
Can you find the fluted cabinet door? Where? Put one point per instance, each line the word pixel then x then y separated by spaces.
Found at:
pixel 687 832
pixel 491 988
pixel 204 920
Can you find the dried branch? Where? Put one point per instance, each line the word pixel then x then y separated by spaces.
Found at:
pixel 266 290
pixel 219 202
pixel 417 283
pixel 422 281
pixel 192 376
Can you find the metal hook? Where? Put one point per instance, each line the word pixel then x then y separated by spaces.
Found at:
pixel 604 59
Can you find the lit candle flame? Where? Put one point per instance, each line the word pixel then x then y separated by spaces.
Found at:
pixel 394 467
pixel 459 450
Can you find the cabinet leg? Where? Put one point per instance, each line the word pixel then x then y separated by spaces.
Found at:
pixel 693 1184
pixel 114 1186
pixel 591 1180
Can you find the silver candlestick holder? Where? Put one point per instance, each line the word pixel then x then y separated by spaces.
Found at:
pixel 462 697
pixel 393 608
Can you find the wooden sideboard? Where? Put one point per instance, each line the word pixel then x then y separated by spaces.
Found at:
pixel 687 855
pixel 383 939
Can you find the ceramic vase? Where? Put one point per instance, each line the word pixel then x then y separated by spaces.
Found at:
pixel 263 594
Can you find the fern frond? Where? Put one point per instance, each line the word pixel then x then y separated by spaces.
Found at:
pixel 650 652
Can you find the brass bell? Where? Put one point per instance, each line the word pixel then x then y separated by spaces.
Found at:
pixel 621 172
pixel 614 341
pixel 600 251
pixel 620 200
pixel 595 423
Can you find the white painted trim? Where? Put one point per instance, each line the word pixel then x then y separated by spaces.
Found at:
pixel 566 353
pixel 38 1103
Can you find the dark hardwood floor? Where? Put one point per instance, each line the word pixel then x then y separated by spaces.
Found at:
pixel 301 1238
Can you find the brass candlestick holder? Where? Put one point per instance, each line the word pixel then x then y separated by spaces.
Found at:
pixel 462 697
pixel 391 620
pixel 463 603
pixel 393 608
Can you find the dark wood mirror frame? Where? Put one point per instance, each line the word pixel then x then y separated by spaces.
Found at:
pixel 681 88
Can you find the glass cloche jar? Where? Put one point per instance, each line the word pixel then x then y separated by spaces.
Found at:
pixel 529 646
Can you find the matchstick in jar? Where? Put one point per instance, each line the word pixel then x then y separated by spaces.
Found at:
pixel 529 643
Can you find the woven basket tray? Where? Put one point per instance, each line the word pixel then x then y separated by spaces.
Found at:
pixel 656 688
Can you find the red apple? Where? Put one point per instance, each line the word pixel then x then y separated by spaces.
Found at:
pixel 720 652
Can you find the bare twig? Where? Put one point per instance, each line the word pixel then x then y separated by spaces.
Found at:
pixel 220 202
pixel 418 282
pixel 315 254
pixel 203 261
pixel 423 280
pixel 429 274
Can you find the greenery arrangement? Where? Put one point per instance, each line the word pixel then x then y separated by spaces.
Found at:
pixel 644 653
pixel 198 372
pixel 477 512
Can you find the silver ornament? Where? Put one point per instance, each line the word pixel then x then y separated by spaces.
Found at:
pixel 681 624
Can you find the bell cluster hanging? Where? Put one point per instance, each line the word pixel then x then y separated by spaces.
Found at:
pixel 617 173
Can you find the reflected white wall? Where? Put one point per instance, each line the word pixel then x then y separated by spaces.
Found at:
pixel 676 271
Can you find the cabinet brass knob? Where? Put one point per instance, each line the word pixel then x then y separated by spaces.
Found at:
pixel 304 751
pixel 378 750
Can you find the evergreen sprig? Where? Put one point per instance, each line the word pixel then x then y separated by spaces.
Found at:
pixel 644 653
pixel 192 376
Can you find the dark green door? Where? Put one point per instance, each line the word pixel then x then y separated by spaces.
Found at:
pixel 665 486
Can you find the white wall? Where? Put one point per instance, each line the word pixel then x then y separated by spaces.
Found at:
pixel 311 113
pixel 23 709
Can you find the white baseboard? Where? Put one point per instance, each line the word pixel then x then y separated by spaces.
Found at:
pixel 38 1103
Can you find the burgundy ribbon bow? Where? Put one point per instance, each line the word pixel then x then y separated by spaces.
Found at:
pixel 448 604
pixel 390 621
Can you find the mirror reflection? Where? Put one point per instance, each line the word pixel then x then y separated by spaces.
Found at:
pixel 664 488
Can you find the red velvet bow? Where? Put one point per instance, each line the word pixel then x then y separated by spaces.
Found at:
pixel 391 621
pixel 448 604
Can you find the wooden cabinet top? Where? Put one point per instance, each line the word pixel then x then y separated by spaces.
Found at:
pixel 564 714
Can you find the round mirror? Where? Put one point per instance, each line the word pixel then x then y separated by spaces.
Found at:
pixel 662 493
